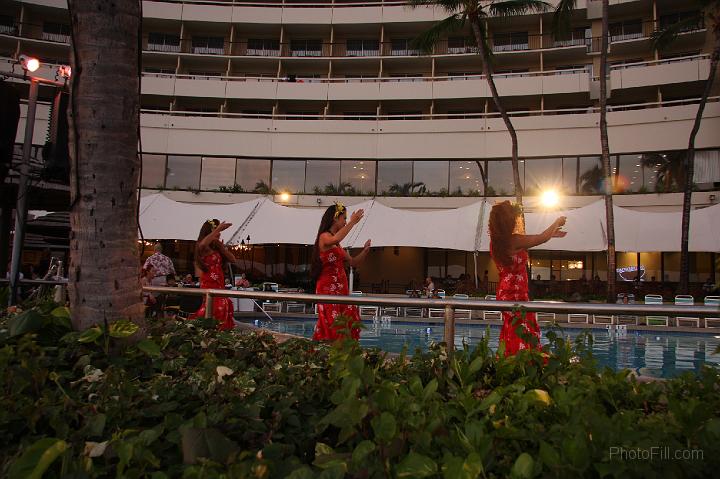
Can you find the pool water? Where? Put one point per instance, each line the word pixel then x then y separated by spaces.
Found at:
pixel 650 353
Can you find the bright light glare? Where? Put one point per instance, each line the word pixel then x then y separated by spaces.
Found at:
pixel 549 198
pixel 284 196
pixel 29 63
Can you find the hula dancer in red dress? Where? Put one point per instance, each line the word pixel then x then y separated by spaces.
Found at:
pixel 210 258
pixel 328 270
pixel 508 248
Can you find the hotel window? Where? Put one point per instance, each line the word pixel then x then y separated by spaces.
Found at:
pixel 208 45
pixel 288 176
pixel 322 177
pixel 460 45
pixel 56 32
pixel 405 115
pixel 357 177
pixel 505 42
pixel 160 72
pixel 626 30
pixel 306 48
pixel 590 175
pixel 578 36
pixel 691 21
pixel 570 167
pixel 433 175
pixel 394 178
pixel 253 175
pixel 302 115
pixel 543 174
pixel 706 173
pixel 263 47
pixel 465 178
pixel 362 48
pixel 7 24
pixel 183 172
pixel 402 47
pixel 153 174
pixel 217 172
pixel 163 42
pixel 500 177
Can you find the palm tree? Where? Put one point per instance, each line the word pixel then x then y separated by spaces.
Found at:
pixel 591 180
pixel 476 13
pixel 407 189
pixel 262 188
pixel 560 27
pixel 661 39
pixel 103 275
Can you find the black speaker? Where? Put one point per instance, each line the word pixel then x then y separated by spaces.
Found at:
pixel 55 152
pixel 10 108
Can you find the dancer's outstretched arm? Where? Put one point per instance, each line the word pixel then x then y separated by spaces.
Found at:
pixel 528 241
pixel 328 240
pixel 360 257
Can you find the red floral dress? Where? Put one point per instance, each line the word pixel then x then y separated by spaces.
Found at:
pixel 333 281
pixel 214 278
pixel 513 286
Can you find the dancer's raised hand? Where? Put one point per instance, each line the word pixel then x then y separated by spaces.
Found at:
pixel 367 244
pixel 357 216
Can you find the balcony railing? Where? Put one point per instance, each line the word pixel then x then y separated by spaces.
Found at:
pixel 55 37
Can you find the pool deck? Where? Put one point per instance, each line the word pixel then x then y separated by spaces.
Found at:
pixel 560 321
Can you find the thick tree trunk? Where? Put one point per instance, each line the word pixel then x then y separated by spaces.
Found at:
pixel 605 147
pixel 683 287
pixel 488 72
pixel 104 263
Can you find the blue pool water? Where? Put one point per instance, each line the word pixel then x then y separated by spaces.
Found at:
pixel 657 354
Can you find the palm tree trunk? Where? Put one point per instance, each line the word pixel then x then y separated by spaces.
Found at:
pixel 488 72
pixel 605 146
pixel 104 262
pixel 683 287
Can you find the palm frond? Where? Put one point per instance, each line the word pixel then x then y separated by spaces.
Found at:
pixel 450 6
pixel 429 38
pixel 661 39
pixel 512 8
pixel 562 18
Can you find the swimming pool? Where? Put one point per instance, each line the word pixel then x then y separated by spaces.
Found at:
pixel 650 353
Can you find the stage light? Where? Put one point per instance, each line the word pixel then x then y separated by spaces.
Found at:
pixel 549 198
pixel 30 64
pixel 284 197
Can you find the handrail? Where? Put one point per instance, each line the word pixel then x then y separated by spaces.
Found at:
pixel 448 304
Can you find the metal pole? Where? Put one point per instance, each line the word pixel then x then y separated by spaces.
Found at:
pixel 450 328
pixel 21 208
pixel 352 278
pixel 208 306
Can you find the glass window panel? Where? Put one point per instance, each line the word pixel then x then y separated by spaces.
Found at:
pixel 357 177
pixel 253 175
pixel 590 178
pixel 183 172
pixel 465 178
pixel 432 175
pixel 570 175
pixel 395 178
pixel 631 177
pixel 153 173
pixel 217 172
pixel 288 176
pixel 543 174
pixel 322 176
pixel 664 171
pixel 706 173
pixel 500 177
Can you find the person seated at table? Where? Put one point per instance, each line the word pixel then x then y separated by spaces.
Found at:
pixel 188 280
pixel 414 293
pixel 429 287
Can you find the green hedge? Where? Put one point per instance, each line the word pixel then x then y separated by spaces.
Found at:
pixel 193 402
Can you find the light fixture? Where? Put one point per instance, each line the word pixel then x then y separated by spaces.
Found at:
pixel 549 198
pixel 29 64
pixel 64 71
pixel 284 197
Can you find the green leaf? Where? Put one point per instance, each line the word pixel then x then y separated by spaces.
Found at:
pixel 523 466
pixel 384 426
pixel 548 455
pixel 304 472
pixel 322 449
pixel 96 425
pixel 36 459
pixel 430 389
pixel 416 465
pixel 62 315
pixel 326 458
pixel 205 442
pixel 90 335
pixel 493 398
pixel 362 450
pixel 476 365
pixel 149 347
pixel 122 329
pixel 26 322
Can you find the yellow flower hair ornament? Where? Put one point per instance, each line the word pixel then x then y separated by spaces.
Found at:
pixel 339 210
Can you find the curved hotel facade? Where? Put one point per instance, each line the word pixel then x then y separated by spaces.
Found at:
pixel 330 100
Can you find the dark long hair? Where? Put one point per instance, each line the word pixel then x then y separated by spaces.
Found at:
pixel 503 218
pixel 206 229
pixel 325 224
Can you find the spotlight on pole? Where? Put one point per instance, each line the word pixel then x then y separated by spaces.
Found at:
pixel 549 198
pixel 29 64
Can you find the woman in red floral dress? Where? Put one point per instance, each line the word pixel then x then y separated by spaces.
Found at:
pixel 508 248
pixel 328 270
pixel 210 258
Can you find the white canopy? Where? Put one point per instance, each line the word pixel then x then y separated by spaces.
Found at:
pixel 464 229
